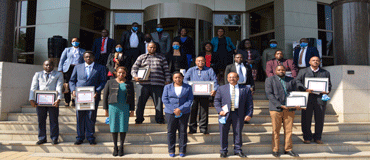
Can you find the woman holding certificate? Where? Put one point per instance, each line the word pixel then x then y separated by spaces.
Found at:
pixel 177 98
pixel 119 105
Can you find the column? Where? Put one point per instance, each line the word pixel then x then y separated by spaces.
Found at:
pixel 351 32
pixel 7 21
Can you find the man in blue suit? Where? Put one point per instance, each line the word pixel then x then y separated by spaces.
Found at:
pixel 233 102
pixel 303 54
pixel 102 47
pixel 88 74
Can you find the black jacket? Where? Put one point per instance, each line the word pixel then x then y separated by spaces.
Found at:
pixel 275 92
pixel 232 68
pixel 125 41
pixel 307 72
pixel 188 46
pixel 111 93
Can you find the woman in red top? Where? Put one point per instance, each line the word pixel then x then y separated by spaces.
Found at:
pixel 211 58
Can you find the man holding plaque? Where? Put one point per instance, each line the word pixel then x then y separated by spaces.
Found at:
pixel 83 75
pixel 315 103
pixel 277 88
pixel 47 80
pixel 234 103
pixel 200 73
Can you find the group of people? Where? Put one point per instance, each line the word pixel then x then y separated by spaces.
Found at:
pixel 110 67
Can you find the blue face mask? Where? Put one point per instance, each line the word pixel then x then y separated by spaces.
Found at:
pixel 176 47
pixel 273 45
pixel 75 44
pixel 159 29
pixel 303 44
pixel 119 49
pixel 135 28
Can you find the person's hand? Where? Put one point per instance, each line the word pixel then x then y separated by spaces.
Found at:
pixel 96 94
pixel 33 103
pixel 325 92
pixel 235 50
pixel 222 113
pixel 56 103
pixel 303 108
pixel 213 93
pixel 106 113
pixel 131 113
pixel 177 112
pixel 60 71
pixel 250 61
pixel 284 107
pixel 247 118
pixel 74 93
pixel 252 91
pixel 298 108
pixel 137 79
pixel 309 90
pixel 167 82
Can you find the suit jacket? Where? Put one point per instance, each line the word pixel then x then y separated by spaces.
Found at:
pixel 98 78
pixel 164 42
pixel 307 72
pixel 111 45
pixel 67 57
pixel 125 41
pixel 223 98
pixel 171 101
pixel 311 51
pixel 255 56
pixel 249 78
pixel 188 47
pixel 275 91
pixel 287 63
pixel 110 94
pixel 54 83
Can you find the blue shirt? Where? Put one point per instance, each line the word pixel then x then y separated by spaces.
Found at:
pixel 76 56
pixel 206 74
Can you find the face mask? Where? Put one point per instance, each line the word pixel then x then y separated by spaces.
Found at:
pixel 176 47
pixel 148 40
pixel 135 28
pixel 75 44
pixel 159 29
pixel 273 45
pixel 303 44
pixel 119 49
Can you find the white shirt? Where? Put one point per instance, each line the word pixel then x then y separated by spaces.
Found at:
pixel 105 45
pixel 146 46
pixel 76 56
pixel 178 91
pixel 236 105
pixel 244 70
pixel 134 40
pixel 90 69
pixel 303 57
pixel 315 70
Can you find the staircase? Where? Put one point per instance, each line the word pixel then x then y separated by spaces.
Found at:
pixel 149 140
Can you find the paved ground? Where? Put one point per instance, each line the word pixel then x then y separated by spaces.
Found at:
pixel 10 155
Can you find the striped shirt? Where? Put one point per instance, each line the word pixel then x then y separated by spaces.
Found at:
pixel 159 72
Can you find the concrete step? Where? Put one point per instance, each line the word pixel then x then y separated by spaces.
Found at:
pixel 192 148
pixel 312 156
pixel 154 127
pixel 213 137
pixel 212 118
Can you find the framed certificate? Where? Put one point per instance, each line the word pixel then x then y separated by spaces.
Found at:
pixel 296 101
pixel 288 73
pixel 297 94
pixel 45 98
pixel 203 88
pixel 85 98
pixel 317 84
pixel 143 73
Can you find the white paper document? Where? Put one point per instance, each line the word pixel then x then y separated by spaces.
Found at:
pixel 45 98
pixel 85 97
pixel 225 108
pixel 140 73
pixel 201 88
pixel 296 101
pixel 318 86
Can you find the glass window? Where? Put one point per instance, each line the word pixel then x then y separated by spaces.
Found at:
pixel 324 17
pixel 26 40
pixel 127 18
pixel 325 33
pixel 92 17
pixel 262 20
pixel 205 33
pixel 87 38
pixel 226 19
pixel 27 13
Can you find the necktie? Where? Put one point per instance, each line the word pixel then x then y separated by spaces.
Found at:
pixel 301 56
pixel 102 44
pixel 88 72
pixel 47 77
pixel 241 76
pixel 249 55
pixel 232 107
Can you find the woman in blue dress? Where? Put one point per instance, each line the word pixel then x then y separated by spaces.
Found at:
pixel 119 105
pixel 177 98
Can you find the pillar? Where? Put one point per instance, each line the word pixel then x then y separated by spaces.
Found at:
pixel 7 21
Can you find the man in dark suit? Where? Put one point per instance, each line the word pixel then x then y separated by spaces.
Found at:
pixel 88 74
pixel 133 46
pixel 315 104
pixel 303 54
pixel 235 103
pixel 277 89
pixel 102 47
pixel 49 80
pixel 244 71
pixel 162 38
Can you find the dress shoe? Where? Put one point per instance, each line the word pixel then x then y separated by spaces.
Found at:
pixel 192 132
pixel 78 142
pixel 54 142
pixel 73 104
pixel 66 104
pixel 160 122
pixel 241 154
pixel 93 142
pixel 115 151
pixel 319 142
pixel 246 122
pixel 137 122
pixel 172 154
pixel 275 154
pixel 223 155
pixel 306 141
pixel 182 154
pixel 40 142
pixel 291 153
pixel 120 152
pixel 205 132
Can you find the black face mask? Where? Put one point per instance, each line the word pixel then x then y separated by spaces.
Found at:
pixel 148 40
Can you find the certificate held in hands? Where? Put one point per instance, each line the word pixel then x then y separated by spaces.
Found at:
pixel 203 88
pixel 317 84
pixel 143 73
pixel 45 98
pixel 85 98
